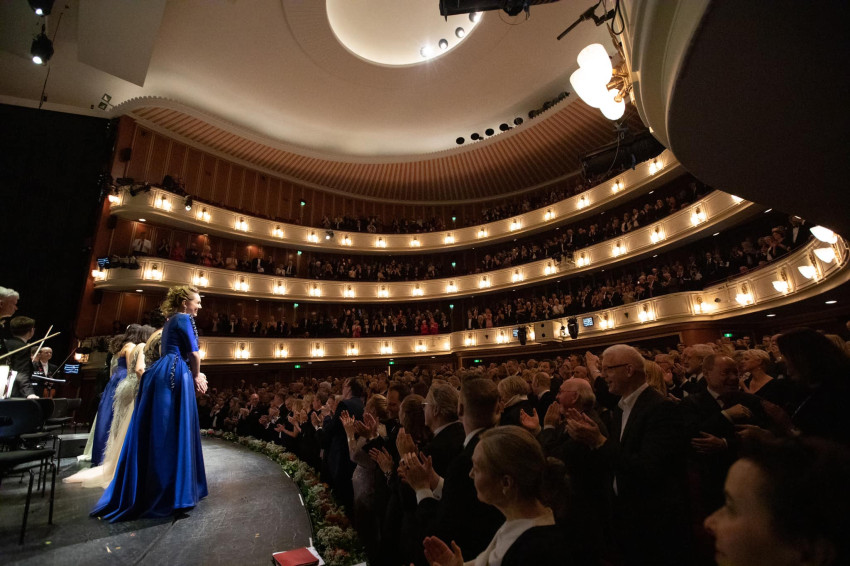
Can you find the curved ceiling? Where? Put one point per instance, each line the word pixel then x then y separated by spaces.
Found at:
pixel 268 83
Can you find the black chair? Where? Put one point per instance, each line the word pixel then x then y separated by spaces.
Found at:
pixel 62 412
pixel 18 417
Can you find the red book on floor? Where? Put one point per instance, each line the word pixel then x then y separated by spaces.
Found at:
pixel 295 557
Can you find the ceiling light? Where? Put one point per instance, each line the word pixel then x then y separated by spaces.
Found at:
pixel 141 220
pixel 504 127
pixel 517 121
pixel 824 234
pixel 807 271
pixel 444 44
pixel 460 141
pixel 425 51
pixel 475 17
pixel 41 49
pixel 489 131
pixel 771 315
pixel 460 32
pixel 830 302
pixel 826 255
pixel 41 7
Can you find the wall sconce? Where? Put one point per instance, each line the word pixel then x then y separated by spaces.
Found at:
pixel 154 273
pixel 605 323
pixel 348 292
pixel 383 292
pixel 200 279
pixel 501 338
pixel 449 239
pixel 809 271
pixel 81 357
pixel 583 260
pixel 529 333
pixel 517 276
pixel 313 237
pixel 618 249
pixel 482 233
pixel 352 349
pixel 113 198
pixel 781 284
pixel 98 274
pixel 548 215
pixel 698 215
pixel 315 291
pixel 202 350
pixel 655 166
pixel 515 224
pixel 241 284
pixel 277 232
pixel 203 215
pixel 346 240
pixel 280 351
pixel 745 297
pixel 617 186
pixel 380 243
pixel 242 225
pixel 657 234
pixel 420 346
pixel 646 314
pixel 386 347
pixel 484 282
pixel 317 350
pixel 701 307
pixel 451 287
pixel 469 340
pixel 582 202
pixel 824 234
pixel 163 203
pixel 826 255
pixel 279 288
pixel 414 243
pixel 242 351
pixel 736 199
pixel 417 291
pixel 549 268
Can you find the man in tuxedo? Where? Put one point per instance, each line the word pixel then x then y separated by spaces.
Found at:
pixel 8 305
pixel 441 417
pixel 43 367
pixel 335 440
pixel 797 232
pixel 645 451
pixel 540 386
pixel 449 507
pixel 692 358
pixel 22 329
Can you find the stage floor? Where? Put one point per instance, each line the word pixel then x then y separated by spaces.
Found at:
pixel 253 510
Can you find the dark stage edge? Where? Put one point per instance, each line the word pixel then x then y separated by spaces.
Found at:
pixel 252 511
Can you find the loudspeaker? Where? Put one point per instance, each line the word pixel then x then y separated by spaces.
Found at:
pixel 522 334
pixel 572 327
pixel 125 154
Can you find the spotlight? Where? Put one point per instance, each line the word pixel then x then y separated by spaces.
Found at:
pixel 460 141
pixel 329 234
pixel 504 127
pixel 517 121
pixel 475 136
pixel 475 17
pixel 41 7
pixel 460 32
pixel 188 202
pixel 489 131
pixel 444 44
pixel 41 49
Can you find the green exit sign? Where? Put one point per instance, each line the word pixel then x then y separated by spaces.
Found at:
pixel 392 363
pixel 477 361
pixel 297 366
pixel 728 335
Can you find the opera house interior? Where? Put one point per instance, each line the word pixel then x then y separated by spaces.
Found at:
pixel 398 215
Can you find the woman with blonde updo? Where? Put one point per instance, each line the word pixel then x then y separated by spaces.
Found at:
pixel 161 467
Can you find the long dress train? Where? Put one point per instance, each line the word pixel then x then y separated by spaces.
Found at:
pixel 105 412
pixel 161 466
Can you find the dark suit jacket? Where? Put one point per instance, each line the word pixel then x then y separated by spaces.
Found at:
pixel 336 441
pixel 21 363
pixel 511 416
pixel 649 464
pixel 444 447
pixel 459 516
pixel 543 403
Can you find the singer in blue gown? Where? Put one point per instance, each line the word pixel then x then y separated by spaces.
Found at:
pixel 104 412
pixel 161 466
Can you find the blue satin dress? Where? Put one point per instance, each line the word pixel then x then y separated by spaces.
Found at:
pixel 104 412
pixel 161 466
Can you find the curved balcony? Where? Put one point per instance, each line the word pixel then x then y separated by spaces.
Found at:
pixel 799 275
pixel 167 208
pixel 712 213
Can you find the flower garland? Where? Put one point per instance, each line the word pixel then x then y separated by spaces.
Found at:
pixel 335 540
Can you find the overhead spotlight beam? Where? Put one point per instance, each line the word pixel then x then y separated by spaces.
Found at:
pixel 41 7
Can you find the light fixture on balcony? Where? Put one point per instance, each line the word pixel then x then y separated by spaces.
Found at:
pixel 529 333
pixel 315 291
pixel 163 203
pixel 451 287
pixel 826 255
pixel 501 337
pixel 352 349
pixel 420 346
pixel 515 224
pixel 242 351
pixel 736 199
pixel 655 165
pixel 657 234
pixel 241 284
pixel 203 215
pixel 484 282
pixel 548 215
pixel 583 202
pixel 317 350
pixel 517 276
pixel 98 274
pixel 348 292
pixel 781 284
pixel 583 260
pixel 383 292
pixel 153 273
pixel 605 323
pixel 202 350
pixel 200 279
pixel 277 232
pixel 313 237
pixel 645 314
pixel 745 296
pixel 279 288
pixel 417 290
pixel 380 243
pixel 618 249
pixel 617 186
pixel 596 82
pixel 810 271
pixel 346 240
pixel 386 347
pixel 449 239
pixel 280 351
pixel 701 307
pixel 113 198
pixel 469 340
pixel 698 215
pixel 824 234
pixel 81 357
pixel 242 225
pixel 549 268
pixel 482 232
pixel 414 243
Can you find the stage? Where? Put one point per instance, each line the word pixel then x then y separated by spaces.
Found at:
pixel 253 510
